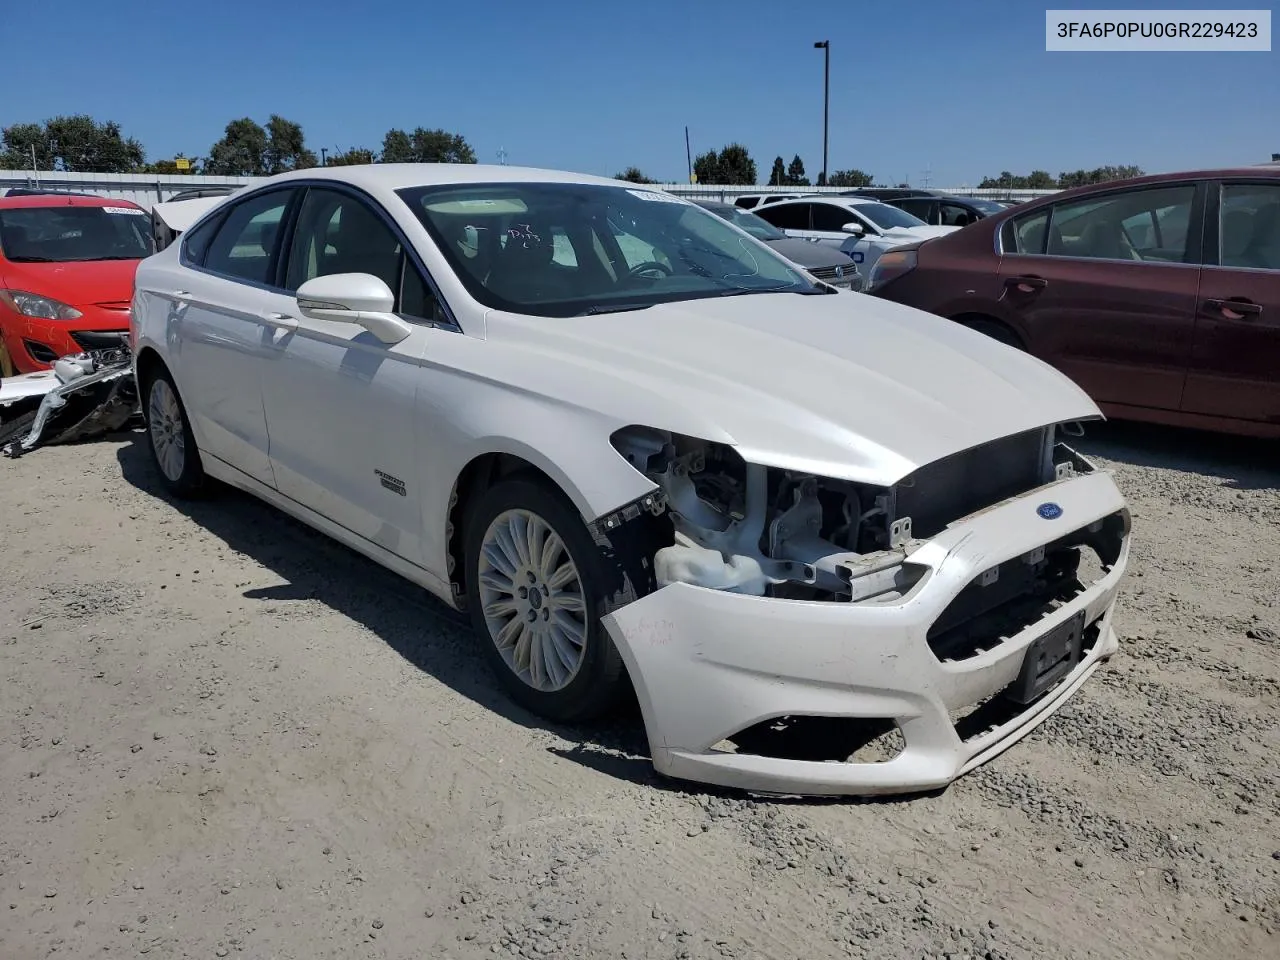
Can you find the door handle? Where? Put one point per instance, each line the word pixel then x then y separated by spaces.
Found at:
pixel 1026 284
pixel 1234 309
pixel 281 321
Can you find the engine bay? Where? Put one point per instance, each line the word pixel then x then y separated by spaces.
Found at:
pixel 748 528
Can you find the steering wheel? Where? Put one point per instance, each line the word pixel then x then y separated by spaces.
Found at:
pixel 649 265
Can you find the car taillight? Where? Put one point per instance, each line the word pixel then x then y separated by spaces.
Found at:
pixel 891 265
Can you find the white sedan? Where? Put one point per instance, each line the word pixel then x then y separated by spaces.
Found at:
pixel 861 227
pixel 835 544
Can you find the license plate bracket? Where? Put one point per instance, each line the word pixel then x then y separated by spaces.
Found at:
pixel 1049 659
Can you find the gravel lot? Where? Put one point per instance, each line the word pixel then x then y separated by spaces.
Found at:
pixel 223 735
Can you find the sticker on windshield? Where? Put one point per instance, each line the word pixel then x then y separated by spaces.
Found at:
pixel 654 196
pixel 130 210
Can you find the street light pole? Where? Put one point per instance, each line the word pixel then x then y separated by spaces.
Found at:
pixel 825 47
pixel 324 156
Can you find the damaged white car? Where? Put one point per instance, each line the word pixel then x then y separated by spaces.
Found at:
pixel 836 545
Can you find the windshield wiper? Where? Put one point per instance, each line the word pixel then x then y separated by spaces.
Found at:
pixel 33 260
pixel 612 308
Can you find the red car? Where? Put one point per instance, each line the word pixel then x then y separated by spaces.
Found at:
pixel 1160 295
pixel 66 275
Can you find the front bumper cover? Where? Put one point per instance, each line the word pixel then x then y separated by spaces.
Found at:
pixel 708 664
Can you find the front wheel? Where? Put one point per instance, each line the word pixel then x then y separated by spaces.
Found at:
pixel 169 436
pixel 538 586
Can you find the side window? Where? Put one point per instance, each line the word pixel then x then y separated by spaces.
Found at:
pixel 1250 225
pixel 788 216
pixel 916 207
pixel 416 299
pixel 196 243
pixel 244 245
pixel 830 217
pixel 955 216
pixel 337 233
pixel 1144 225
pixel 1025 234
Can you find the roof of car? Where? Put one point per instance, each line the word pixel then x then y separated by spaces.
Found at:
pixel 397 176
pixel 1224 173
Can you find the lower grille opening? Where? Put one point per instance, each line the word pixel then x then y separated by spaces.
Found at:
pixel 1008 598
pixel 984 716
pixel 40 352
pixel 821 739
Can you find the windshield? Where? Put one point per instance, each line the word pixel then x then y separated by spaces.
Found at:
pixel 66 234
pixel 564 249
pixel 886 217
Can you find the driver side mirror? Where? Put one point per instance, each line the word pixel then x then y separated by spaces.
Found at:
pixel 856 229
pixel 353 298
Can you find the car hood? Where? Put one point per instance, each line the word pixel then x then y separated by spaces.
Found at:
pixel 810 255
pixel 849 387
pixel 79 284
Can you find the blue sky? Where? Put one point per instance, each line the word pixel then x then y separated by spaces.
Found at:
pixel 962 89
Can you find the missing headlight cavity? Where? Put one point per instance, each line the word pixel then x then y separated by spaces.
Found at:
pixel 819 739
pixel 1006 599
pixel 747 528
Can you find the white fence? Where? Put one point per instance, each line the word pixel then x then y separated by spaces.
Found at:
pixel 146 189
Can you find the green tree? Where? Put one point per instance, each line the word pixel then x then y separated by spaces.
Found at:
pixel 426 146
pixel 397 147
pixel 795 173
pixel 736 166
pixel 170 167
pixel 286 147
pixel 76 143
pixel 352 157
pixel 633 175
pixel 778 175
pixel 851 178
pixel 706 167
pixel 1079 178
pixel 241 152
pixel 1040 180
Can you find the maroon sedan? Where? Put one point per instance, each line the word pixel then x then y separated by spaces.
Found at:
pixel 1160 295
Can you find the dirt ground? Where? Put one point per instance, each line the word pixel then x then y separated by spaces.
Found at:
pixel 224 735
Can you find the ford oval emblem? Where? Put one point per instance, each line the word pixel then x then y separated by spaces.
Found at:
pixel 1049 511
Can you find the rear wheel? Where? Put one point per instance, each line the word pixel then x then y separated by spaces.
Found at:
pixel 538 585
pixel 173 446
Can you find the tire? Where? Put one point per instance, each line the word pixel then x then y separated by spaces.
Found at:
pixel 606 579
pixel 996 331
pixel 179 467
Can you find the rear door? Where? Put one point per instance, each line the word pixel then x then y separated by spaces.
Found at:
pixel 1235 362
pixel 1115 315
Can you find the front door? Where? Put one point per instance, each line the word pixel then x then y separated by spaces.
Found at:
pixel 1117 316
pixel 339 401
pixel 1235 363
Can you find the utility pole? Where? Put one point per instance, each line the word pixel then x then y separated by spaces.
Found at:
pixel 688 154
pixel 324 156
pixel 825 47
pixel 35 169
pixel 502 156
